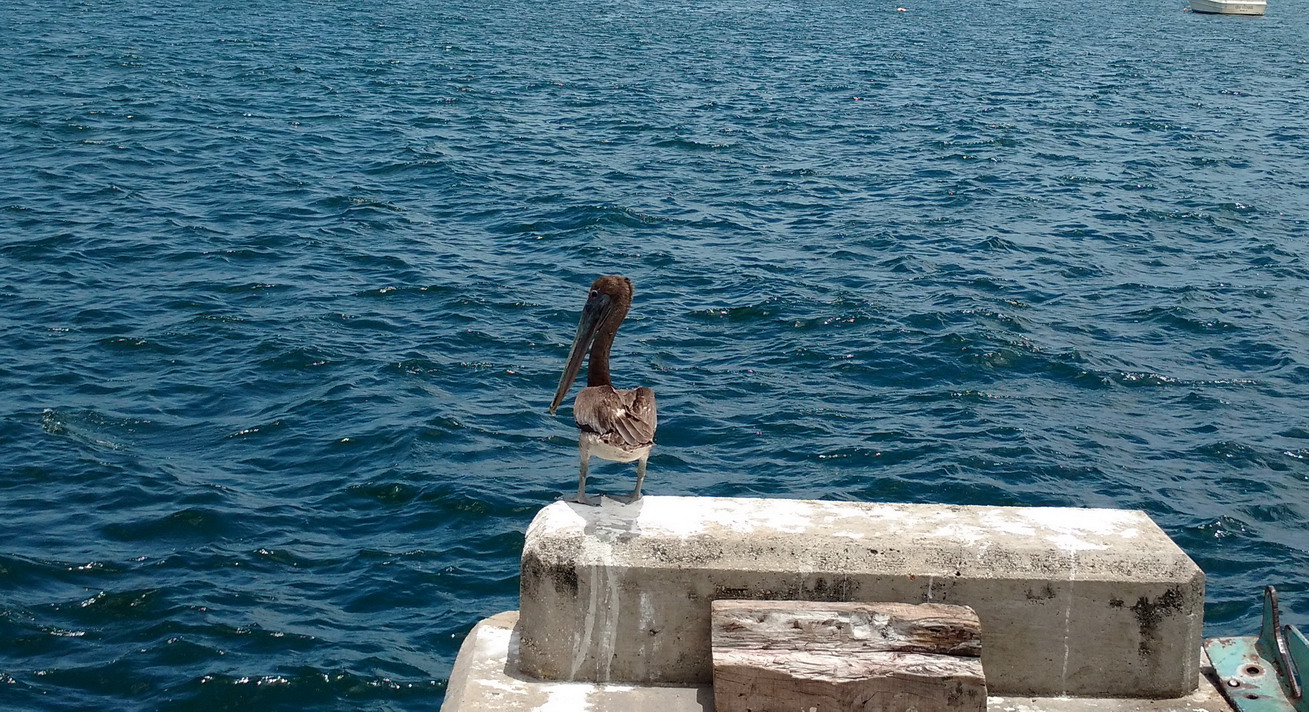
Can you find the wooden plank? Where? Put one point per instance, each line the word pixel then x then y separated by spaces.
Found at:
pixel 838 627
pixel 871 657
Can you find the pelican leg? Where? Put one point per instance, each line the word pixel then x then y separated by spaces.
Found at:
pixel 640 476
pixel 585 456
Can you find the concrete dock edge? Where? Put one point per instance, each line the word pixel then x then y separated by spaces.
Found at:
pixel 484 680
pixel 1079 602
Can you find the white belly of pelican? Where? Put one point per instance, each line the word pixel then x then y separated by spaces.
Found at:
pixel 597 447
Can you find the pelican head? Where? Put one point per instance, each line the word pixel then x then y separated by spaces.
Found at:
pixel 606 307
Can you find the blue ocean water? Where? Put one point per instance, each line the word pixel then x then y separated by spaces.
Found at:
pixel 286 289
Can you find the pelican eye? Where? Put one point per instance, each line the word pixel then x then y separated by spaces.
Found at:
pixel 595 293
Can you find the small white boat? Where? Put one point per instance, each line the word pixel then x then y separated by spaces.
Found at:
pixel 1230 7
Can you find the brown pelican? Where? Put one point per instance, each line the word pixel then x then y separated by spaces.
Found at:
pixel 613 424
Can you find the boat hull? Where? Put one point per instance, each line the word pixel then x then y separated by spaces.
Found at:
pixel 1230 7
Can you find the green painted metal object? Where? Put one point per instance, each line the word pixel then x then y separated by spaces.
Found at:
pixel 1264 674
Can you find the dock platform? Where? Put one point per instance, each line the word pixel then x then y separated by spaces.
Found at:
pixel 1080 608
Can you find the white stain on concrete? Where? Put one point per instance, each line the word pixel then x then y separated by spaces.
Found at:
pixel 646 605
pixel 609 645
pixel 1068 620
pixel 684 517
pixel 1069 542
pixel 489 651
pixel 491 639
pixel 690 516
pixel 567 697
pixel 582 638
pixel 1103 522
pixel 558 518
pixel 1003 522
pixel 511 687
pixel 962 533
pixel 599 631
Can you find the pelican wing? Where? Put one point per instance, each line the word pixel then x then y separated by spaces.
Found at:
pixel 627 414
pixel 638 425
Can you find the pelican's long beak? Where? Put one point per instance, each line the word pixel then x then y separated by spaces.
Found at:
pixel 597 306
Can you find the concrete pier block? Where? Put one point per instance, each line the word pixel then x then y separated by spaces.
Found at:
pixel 486 679
pixel 1087 602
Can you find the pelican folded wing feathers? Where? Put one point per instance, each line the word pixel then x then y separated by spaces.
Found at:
pixel 621 418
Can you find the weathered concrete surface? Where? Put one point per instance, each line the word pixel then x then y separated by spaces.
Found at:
pixel 485 680
pixel 1072 601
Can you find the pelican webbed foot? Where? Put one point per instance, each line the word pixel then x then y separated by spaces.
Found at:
pixel 626 498
pixel 636 491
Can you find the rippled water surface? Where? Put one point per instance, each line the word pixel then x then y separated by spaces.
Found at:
pixel 286 289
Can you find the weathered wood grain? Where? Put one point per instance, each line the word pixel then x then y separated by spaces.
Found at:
pixel 838 627
pixel 871 657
